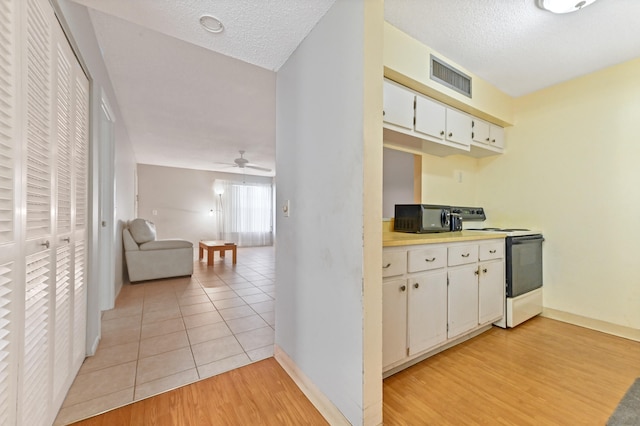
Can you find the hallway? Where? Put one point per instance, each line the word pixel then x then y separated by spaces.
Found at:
pixel 163 334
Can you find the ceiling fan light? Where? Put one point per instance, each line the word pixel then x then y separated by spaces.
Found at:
pixel 563 6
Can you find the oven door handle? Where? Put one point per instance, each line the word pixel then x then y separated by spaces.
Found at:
pixel 525 240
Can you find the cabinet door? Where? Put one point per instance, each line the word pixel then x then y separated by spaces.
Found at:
pixel 462 300
pixel 427 311
pixel 394 321
pixel 480 131
pixel 398 105
pixel 458 127
pixel 430 117
pixel 496 135
pixel 491 291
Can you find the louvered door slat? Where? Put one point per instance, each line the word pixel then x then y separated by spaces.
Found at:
pixel 63 319
pixel 79 302
pixel 7 351
pixel 81 153
pixel 36 344
pixel 8 83
pixel 63 114
pixel 38 176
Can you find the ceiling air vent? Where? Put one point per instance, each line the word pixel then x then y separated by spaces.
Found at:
pixel 452 78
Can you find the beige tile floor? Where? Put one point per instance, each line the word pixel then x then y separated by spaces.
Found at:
pixel 167 333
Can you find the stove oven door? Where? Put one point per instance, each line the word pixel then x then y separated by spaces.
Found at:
pixel 524 264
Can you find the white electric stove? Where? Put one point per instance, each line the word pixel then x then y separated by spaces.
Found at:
pixel 523 268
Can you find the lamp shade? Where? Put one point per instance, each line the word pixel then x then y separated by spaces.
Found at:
pixel 563 6
pixel 218 187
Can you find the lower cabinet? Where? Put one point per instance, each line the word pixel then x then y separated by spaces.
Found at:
pixel 427 313
pixel 394 321
pixel 491 291
pixel 458 289
pixel 462 300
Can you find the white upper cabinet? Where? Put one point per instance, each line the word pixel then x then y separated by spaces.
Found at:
pixel 419 124
pixel 445 124
pixel 487 138
pixel 398 105
pixel 430 118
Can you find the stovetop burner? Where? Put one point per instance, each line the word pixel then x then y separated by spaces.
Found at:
pixel 512 232
pixel 499 229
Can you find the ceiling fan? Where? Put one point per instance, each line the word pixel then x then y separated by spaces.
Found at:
pixel 242 163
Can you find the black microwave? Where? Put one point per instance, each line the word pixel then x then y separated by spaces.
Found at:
pixel 422 218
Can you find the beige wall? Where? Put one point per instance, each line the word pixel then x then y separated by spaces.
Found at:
pixel 449 180
pixel 571 169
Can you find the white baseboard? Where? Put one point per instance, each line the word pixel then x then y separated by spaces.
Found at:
pixel 594 324
pixel 329 411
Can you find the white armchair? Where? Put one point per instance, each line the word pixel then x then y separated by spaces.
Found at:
pixel 149 259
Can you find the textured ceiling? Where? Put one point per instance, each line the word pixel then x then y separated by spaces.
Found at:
pixel 260 32
pixel 192 99
pixel 518 47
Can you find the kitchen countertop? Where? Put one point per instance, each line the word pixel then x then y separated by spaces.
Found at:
pixel 394 239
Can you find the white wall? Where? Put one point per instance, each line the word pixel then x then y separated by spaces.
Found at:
pixel 182 199
pixel 76 20
pixel 397 183
pixel 320 262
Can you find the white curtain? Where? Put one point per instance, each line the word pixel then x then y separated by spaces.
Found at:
pixel 247 213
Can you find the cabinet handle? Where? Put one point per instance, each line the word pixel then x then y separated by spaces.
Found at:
pixel 466 255
pixel 493 141
pixel 484 270
pixel 383 113
pixel 476 272
pixel 46 244
pixel 416 285
pixel 488 139
pixel 450 134
pixel 442 133
pixel 403 287
pixel 386 266
pixel 492 251
pixel 430 260
pixel 66 240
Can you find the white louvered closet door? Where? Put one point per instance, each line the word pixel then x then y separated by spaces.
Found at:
pixel 55 164
pixel 80 203
pixel 9 264
pixel 36 373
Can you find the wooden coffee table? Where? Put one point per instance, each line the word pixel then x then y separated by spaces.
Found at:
pixel 219 246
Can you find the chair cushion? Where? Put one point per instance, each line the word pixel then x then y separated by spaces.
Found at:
pixel 165 245
pixel 142 230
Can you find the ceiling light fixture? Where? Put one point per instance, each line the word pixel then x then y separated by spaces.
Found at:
pixel 211 24
pixel 563 6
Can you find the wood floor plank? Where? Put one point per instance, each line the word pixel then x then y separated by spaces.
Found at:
pixel 258 394
pixel 543 372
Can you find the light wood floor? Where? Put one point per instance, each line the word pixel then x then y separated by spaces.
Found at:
pixel 543 372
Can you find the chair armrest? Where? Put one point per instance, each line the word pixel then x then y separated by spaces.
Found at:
pixel 129 243
pixel 165 245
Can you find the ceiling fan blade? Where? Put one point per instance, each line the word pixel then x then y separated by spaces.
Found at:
pixel 251 166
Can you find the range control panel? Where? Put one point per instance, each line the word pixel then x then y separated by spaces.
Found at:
pixel 470 214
